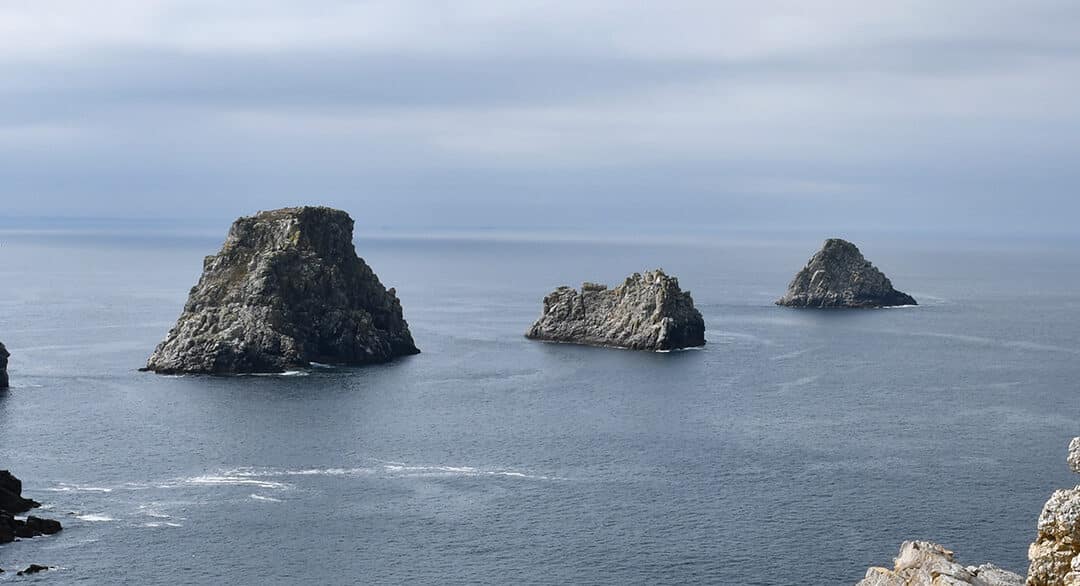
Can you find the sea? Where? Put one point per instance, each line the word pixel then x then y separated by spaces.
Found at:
pixel 796 447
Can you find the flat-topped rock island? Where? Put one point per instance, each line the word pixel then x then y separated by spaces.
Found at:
pixel 647 312
pixel 287 289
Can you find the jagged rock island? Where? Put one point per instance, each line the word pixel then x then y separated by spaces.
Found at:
pixel 13 503
pixel 839 276
pixel 287 289
pixel 647 312
pixel 3 366
pixel 1054 556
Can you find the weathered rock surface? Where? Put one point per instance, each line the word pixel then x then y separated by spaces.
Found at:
pixel 4 354
pixel 647 312
pixel 922 563
pixel 1074 455
pixel 1054 554
pixel 839 276
pixel 287 289
pixel 13 503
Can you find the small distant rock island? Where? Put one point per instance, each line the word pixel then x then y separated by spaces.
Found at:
pixel 647 312
pixel 287 289
pixel 839 276
pixel 13 503
pixel 4 354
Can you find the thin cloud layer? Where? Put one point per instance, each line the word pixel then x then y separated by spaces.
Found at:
pixel 831 114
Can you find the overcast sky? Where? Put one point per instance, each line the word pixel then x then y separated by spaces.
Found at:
pixel 958 114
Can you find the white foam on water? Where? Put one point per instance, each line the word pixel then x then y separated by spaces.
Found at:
pixel 268 499
pixel 150 510
pixel 286 373
pixel 235 480
pixel 94 518
pixel 794 354
pixel 273 472
pixel 455 471
pixel 64 487
pixel 156 524
pixel 689 349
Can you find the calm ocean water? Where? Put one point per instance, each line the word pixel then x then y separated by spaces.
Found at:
pixel 798 447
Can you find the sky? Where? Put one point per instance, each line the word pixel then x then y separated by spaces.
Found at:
pixel 905 115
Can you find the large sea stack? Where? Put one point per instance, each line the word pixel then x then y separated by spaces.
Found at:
pixel 287 289
pixel 839 276
pixel 647 312
pixel 3 366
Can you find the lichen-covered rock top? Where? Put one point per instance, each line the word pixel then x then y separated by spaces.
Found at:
pixel 922 563
pixel 839 276
pixel 286 289
pixel 647 312
pixel 3 366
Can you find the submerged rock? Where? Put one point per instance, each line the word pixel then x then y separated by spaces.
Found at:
pixel 922 563
pixel 287 289
pixel 3 366
pixel 839 276
pixel 33 569
pixel 647 312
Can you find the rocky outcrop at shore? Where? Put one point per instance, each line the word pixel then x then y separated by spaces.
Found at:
pixel 4 354
pixel 13 503
pixel 287 289
pixel 922 563
pixel 647 312
pixel 839 276
pixel 1055 554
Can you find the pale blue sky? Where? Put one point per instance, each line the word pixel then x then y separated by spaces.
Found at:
pixel 908 114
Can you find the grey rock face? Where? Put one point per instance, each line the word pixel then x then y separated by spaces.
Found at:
pixel 839 276
pixel 647 312
pixel 922 563
pixel 3 366
pixel 286 289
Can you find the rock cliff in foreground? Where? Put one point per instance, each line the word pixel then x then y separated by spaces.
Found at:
pixel 839 276
pixel 286 289
pixel 13 503
pixel 3 366
pixel 647 312
pixel 1054 556
pixel 922 563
